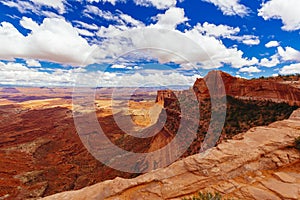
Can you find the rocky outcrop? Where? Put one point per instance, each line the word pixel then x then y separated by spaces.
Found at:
pixel 256 89
pixel 259 164
pixel 164 97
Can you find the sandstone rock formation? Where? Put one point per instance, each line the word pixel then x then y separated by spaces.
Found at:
pixel 257 89
pixel 259 164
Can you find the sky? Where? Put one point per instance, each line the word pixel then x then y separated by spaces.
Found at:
pixel 145 42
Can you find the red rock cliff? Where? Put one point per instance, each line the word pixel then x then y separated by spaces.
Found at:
pixel 258 89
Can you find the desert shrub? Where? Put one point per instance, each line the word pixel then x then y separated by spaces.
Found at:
pixel 206 196
pixel 297 143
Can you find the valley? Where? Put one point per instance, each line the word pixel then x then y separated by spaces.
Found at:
pixel 42 154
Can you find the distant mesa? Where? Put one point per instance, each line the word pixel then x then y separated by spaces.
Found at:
pixel 10 90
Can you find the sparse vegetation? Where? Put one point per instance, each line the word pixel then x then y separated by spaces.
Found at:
pixel 241 115
pixel 297 143
pixel 290 77
pixel 245 114
pixel 207 196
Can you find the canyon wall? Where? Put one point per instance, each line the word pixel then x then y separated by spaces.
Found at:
pixel 259 164
pixel 256 89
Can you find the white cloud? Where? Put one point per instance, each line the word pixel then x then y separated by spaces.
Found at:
pixel 272 44
pixel 119 17
pixel 120 66
pixel 86 25
pixel 33 63
pixel 54 40
pixel 159 4
pixel 84 32
pixel 113 2
pixel 171 18
pixel 250 70
pixel 29 24
pixel 217 52
pixel 56 4
pixel 137 67
pixel 197 45
pixel 246 39
pixel 50 14
pixel 287 11
pixel 18 74
pixel 270 62
pixel 239 76
pixel 290 69
pixel 111 31
pixel 230 7
pixel 131 21
pixel 10 66
pixel 99 13
pixel 116 66
pixel 224 31
pixel 35 6
pixel 217 30
pixel 289 54
pixel 154 78
pixel 22 6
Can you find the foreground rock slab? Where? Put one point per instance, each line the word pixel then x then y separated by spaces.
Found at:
pixel 259 164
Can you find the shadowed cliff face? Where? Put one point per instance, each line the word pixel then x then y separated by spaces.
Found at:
pixel 259 164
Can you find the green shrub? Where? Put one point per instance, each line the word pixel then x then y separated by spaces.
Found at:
pixel 206 196
pixel 297 143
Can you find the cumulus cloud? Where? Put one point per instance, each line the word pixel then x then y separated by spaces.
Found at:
pixel 286 11
pixel 230 7
pixel 33 63
pixel 28 23
pixel 289 54
pixel 250 70
pixel 18 74
pixel 199 45
pixel 156 78
pixel 224 31
pixel 217 30
pixel 272 62
pixel 170 19
pixel 54 40
pixel 272 44
pixel 246 39
pixel 217 52
pixel 290 69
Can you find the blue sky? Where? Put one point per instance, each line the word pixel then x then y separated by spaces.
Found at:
pixel 158 42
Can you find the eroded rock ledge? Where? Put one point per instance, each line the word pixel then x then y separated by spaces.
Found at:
pixel 259 164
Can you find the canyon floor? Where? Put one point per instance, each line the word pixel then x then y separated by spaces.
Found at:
pixel 40 151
